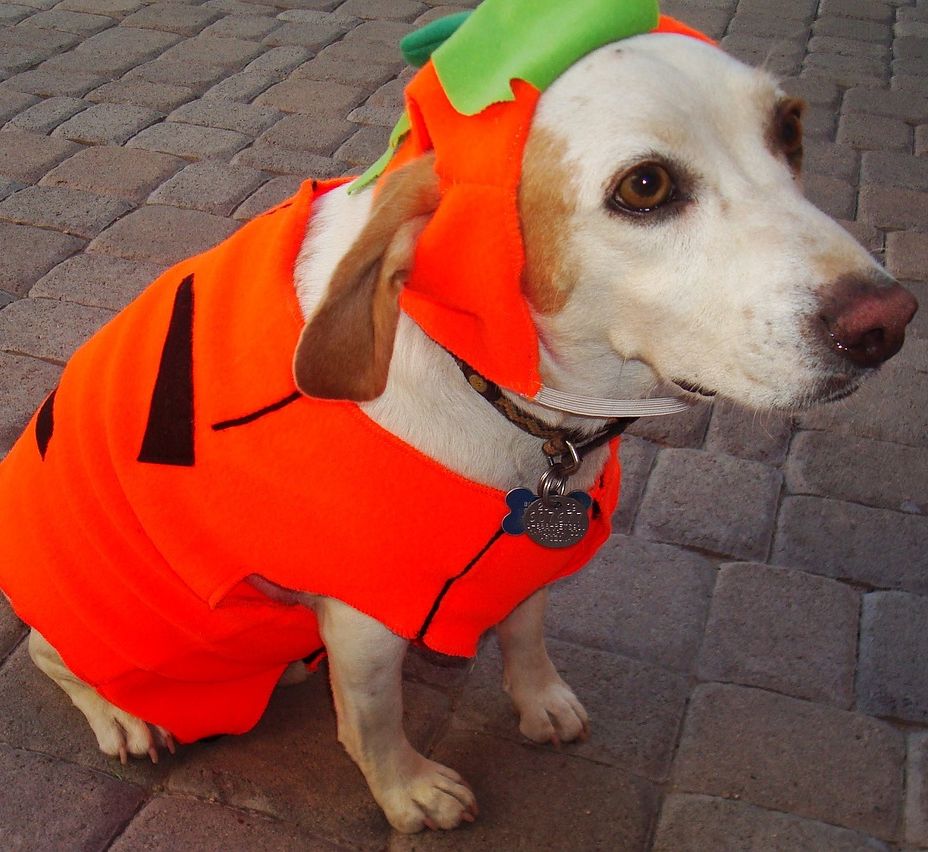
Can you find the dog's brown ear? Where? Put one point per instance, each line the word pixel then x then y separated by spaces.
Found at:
pixel 345 349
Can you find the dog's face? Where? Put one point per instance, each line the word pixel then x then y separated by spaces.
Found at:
pixel 667 236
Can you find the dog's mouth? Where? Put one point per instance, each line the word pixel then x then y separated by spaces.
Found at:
pixel 690 387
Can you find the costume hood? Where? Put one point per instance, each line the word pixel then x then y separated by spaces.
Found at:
pixel 472 103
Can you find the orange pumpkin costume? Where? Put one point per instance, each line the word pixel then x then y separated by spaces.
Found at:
pixel 176 458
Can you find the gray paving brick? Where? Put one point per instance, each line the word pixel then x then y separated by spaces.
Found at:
pixel 243 86
pixel 874 473
pixel 46 115
pixel 835 197
pixel 172 18
pixel 759 436
pixel 819 123
pixel 713 22
pixel 893 208
pixel 241 7
pixel 902 106
pixel 849 47
pixel 861 130
pixel 105 64
pixel 290 766
pixel 228 115
pixel 910 47
pixel 897 389
pixel 310 36
pixel 190 140
pixel 20 57
pixel 782 630
pixel 8 187
pixel 911 28
pixel 268 195
pixel 184 823
pixel 107 124
pixel 114 8
pixel 89 808
pixel 306 133
pixel 876 547
pixel 699 823
pixel 813 90
pixel 209 50
pixel 28 253
pixel 868 236
pixel 713 502
pixel 51 41
pixel 374 116
pixel 280 60
pixel 96 280
pixel 887 168
pixel 848 70
pixel 916 808
pixel 12 103
pixel 12 13
pixel 635 709
pixel 36 715
pixel 71 22
pixel 195 76
pixel 162 234
pixel 127 173
pixel 316 98
pixel 24 383
pixel 47 329
pixel 893 648
pixel 133 45
pixel 160 97
pixel 768 25
pixel 511 780
pixel 324 68
pixel 636 598
pixel 401 10
pixel 358 50
pixel 790 755
pixel 315 14
pixel 277 160
pixel 687 429
pixel 72 211
pixel 213 187
pixel 921 140
pixel 910 66
pixel 867 10
pixel 39 4
pixel 907 255
pixel 637 458
pixel 50 84
pixel 248 27
pixel 12 630
pixel 781 58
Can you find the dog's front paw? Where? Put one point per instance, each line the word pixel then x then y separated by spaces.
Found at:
pixel 120 734
pixel 548 709
pixel 427 795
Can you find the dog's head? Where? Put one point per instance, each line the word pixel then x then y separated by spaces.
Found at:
pixel 665 237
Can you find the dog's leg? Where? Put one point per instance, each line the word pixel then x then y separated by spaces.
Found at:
pixel 365 662
pixel 118 733
pixel 547 707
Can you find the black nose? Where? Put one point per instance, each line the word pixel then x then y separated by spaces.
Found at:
pixel 865 318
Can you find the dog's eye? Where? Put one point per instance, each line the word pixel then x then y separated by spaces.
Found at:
pixel 643 188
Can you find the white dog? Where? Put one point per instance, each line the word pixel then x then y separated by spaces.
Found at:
pixel 667 239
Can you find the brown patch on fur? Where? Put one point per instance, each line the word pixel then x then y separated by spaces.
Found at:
pixel 545 208
pixel 785 134
pixel 344 351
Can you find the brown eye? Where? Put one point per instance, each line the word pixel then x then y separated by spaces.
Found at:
pixel 643 188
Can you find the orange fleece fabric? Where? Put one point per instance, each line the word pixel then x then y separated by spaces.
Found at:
pixel 176 458
pixel 465 289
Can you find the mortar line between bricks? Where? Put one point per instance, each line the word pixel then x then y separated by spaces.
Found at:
pixel 5 659
pixel 120 830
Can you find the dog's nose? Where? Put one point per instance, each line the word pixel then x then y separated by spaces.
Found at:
pixel 865 318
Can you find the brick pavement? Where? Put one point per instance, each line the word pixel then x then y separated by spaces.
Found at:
pixel 751 644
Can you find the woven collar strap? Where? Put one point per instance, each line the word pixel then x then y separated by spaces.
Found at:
pixel 555 439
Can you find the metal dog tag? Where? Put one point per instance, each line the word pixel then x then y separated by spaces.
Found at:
pixel 559 521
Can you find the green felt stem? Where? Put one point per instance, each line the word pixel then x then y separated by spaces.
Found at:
pixel 531 40
pixel 397 135
pixel 419 45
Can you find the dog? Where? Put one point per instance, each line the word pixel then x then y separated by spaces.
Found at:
pixel 666 239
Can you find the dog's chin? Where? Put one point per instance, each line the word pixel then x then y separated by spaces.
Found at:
pixel 821 392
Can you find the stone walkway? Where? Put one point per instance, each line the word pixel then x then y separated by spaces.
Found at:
pixel 752 644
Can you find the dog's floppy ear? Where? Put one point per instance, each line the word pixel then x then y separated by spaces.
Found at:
pixel 345 349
